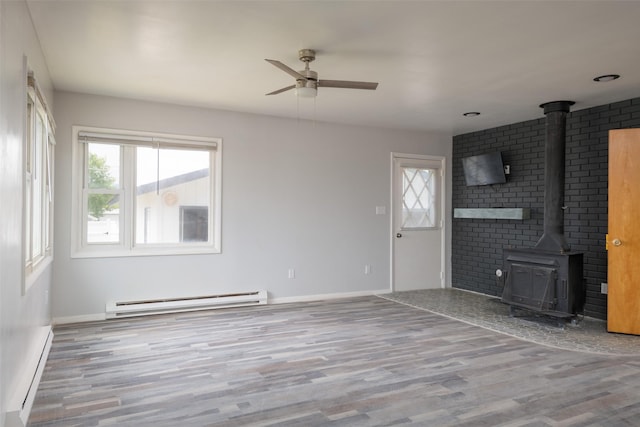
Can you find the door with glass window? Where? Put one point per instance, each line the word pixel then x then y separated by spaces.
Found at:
pixel 418 231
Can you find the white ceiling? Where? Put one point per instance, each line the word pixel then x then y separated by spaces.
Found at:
pixel 434 60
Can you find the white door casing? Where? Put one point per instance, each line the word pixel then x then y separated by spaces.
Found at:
pixel 417 217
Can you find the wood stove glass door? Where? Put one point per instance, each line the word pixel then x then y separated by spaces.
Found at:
pixel 418 232
pixel 623 306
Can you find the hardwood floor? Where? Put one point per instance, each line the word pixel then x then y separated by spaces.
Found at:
pixel 354 362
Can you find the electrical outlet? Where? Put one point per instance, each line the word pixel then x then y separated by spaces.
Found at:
pixel 292 273
pixel 367 269
pixel 604 288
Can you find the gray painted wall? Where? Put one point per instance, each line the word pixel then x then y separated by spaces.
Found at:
pixel 295 194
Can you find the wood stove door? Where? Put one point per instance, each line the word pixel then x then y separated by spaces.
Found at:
pixel 623 306
pixel 532 286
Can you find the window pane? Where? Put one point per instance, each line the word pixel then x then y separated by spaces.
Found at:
pixel 103 222
pixel 168 180
pixel 46 223
pixel 30 142
pixel 38 182
pixel 27 218
pixel 104 166
pixel 418 198
pixel 48 199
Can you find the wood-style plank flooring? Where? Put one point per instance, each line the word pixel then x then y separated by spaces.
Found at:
pixel 352 362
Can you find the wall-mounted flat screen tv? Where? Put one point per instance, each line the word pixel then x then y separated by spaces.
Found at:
pixel 484 169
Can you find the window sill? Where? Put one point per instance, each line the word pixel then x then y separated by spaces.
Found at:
pixel 97 253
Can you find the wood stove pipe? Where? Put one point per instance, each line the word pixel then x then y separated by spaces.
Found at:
pixel 554 164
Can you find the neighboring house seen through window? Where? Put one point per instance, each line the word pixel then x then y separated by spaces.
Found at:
pixel 144 194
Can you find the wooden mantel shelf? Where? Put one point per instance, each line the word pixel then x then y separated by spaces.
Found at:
pixel 492 213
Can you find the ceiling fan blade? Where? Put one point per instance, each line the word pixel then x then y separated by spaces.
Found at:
pixel 284 89
pixel 287 69
pixel 348 84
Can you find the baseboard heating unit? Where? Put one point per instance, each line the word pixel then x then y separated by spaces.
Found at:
pixel 173 305
pixel 24 391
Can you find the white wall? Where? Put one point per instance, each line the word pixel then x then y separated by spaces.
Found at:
pixel 295 195
pixel 21 316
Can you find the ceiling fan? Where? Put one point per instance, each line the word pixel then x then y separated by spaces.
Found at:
pixel 307 82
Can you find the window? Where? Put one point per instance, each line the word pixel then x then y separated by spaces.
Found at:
pixel 141 193
pixel 38 183
pixel 419 187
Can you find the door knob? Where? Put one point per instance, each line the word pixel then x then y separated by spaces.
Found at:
pixel 616 242
pixel 399 235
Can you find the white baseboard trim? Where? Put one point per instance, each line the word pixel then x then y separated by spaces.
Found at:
pixel 24 393
pixel 320 297
pixel 83 318
pixel 281 300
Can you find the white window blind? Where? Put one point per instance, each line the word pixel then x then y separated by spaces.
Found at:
pixel 145 141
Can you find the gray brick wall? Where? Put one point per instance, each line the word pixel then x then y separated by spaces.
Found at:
pixel 477 243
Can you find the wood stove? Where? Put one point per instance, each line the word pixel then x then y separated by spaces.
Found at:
pixel 544 282
pixel 548 278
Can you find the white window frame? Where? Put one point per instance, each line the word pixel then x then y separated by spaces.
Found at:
pixel 127 246
pixel 38 184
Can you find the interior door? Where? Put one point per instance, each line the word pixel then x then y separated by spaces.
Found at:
pixel 623 242
pixel 418 231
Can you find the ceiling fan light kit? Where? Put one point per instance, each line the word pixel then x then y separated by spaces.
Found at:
pixel 306 92
pixel 307 82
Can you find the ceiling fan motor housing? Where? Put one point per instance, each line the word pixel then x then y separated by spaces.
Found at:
pixel 311 84
pixel 309 74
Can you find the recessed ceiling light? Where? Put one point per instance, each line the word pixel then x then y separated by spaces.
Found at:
pixel 606 78
pixel 471 114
